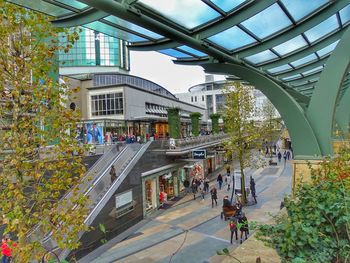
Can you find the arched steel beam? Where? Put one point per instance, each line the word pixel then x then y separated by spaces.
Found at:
pixel 323 102
pixel 131 14
pixel 343 112
pixel 307 51
pixel 82 18
pixel 304 140
pixel 297 30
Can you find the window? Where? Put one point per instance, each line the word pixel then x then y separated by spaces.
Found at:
pixel 107 104
pixel 202 97
pixel 195 98
pixel 191 99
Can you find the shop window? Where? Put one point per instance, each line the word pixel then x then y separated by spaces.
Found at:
pixel 107 104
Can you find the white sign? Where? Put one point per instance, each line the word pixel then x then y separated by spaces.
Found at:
pixel 123 199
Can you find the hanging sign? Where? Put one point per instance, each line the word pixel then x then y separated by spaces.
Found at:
pixel 199 154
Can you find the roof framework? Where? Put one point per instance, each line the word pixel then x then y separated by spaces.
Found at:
pixel 287 42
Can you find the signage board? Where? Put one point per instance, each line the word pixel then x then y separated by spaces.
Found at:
pixel 199 154
pixel 123 199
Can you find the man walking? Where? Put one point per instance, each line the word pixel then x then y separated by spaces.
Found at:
pixel 214 196
pixel 233 229
pixel 252 189
pixel 219 180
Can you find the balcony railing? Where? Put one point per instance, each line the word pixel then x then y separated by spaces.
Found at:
pixel 190 142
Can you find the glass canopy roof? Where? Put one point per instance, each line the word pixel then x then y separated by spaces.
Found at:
pixel 286 39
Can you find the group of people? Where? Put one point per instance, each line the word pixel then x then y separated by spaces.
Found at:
pixel 200 185
pixel 286 156
pixel 227 180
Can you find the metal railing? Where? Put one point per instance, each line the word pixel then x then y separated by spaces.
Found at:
pixel 175 144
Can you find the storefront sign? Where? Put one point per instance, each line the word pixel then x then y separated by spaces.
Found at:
pixel 123 199
pixel 199 154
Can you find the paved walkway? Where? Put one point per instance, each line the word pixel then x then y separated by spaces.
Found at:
pixel 191 230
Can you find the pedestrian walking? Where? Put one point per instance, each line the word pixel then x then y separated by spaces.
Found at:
pixel 219 180
pixel 228 180
pixel 279 156
pixel 233 229
pixel 214 196
pixel 206 185
pixel 113 174
pixel 288 155
pixel 202 191
pixel 285 157
pixel 243 226
pixel 194 189
pixel 6 249
pixel 252 188
pixel 238 207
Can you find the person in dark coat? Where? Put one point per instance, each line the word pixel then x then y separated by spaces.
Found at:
pixel 214 196
pixel 194 189
pixel 243 226
pixel 233 228
pixel 252 189
pixel 219 180
pixel 279 156
pixel 113 174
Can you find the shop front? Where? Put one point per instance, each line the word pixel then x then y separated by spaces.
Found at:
pixel 162 185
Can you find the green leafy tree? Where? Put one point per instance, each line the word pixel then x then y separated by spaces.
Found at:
pixel 316 227
pixel 268 113
pixel 40 157
pixel 215 122
pixel 174 122
pixel 243 133
pixel 195 122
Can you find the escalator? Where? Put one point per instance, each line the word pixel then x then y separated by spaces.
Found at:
pixel 98 186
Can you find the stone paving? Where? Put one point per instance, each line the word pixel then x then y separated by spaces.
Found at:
pixel 192 231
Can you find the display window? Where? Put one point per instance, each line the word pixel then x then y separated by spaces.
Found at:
pixel 166 187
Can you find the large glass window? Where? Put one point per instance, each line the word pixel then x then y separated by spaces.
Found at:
pixel 210 105
pixel 220 103
pixel 107 104
pixel 92 49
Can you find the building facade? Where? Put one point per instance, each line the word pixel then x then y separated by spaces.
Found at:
pixel 127 104
pixel 94 52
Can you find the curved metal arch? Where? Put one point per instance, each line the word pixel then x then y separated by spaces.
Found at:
pixel 304 141
pixel 322 107
pixel 87 16
pixel 295 31
pixel 305 52
pixel 343 112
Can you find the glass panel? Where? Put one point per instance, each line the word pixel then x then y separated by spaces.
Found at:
pixel 267 22
pixel 193 51
pixel 326 50
pixel 261 57
pixel 114 32
pixel 133 27
pixel 304 60
pixel 345 15
pixel 232 38
pixel 228 5
pixel 43 7
pixel 188 13
pixel 174 53
pixel 73 3
pixel 322 29
pixel 311 71
pixel 297 76
pixel 290 45
pixel 299 9
pixel 279 69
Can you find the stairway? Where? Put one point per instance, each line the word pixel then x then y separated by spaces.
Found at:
pixel 99 188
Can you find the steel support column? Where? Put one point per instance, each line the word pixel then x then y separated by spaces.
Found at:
pixel 323 102
pixel 304 140
pixel 343 112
